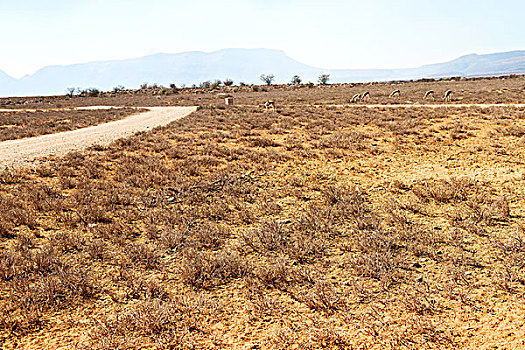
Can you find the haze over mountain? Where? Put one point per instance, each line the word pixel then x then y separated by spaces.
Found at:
pixel 241 65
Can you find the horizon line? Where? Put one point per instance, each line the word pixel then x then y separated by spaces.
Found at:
pixel 246 49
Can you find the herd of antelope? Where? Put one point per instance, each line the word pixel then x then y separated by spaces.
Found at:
pixel 397 92
pixel 365 95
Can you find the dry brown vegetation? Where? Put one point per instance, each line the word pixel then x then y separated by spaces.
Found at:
pixel 21 124
pixel 475 90
pixel 313 227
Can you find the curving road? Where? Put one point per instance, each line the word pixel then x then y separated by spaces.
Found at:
pixel 19 152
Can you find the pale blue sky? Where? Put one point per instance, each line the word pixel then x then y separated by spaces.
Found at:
pixel 328 34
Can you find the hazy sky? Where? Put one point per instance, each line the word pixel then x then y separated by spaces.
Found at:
pixel 327 34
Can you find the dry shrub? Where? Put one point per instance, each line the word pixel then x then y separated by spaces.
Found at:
pixel 44 260
pixel 445 191
pixel 323 296
pixel 68 242
pixel 321 334
pixel 164 324
pixel 9 264
pixel 11 176
pixel 271 236
pixel 140 287
pixel 173 240
pixel 261 304
pixel 277 273
pixel 209 269
pixel 15 212
pixel 345 140
pixel 97 249
pixel 262 142
pixel 29 299
pixel 420 301
pixel 306 246
pixel 142 254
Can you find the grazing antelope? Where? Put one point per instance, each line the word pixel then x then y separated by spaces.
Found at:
pixel 364 95
pixel 269 104
pixel 356 98
pixel 448 95
pixel 429 93
pixel 395 93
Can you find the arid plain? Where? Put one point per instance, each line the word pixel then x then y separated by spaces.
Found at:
pixel 323 224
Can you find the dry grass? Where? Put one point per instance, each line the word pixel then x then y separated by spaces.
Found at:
pixel 314 227
pixel 17 125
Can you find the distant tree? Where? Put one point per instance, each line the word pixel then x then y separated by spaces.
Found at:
pixel 144 86
pixel 118 88
pixel 296 80
pixel 242 83
pixel 93 92
pixel 323 79
pixel 70 92
pixel 206 84
pixel 228 82
pixel 267 79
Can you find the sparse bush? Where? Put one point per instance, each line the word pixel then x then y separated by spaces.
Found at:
pixel 323 79
pixel 271 236
pixel 118 88
pixel 70 92
pixel 296 80
pixel 267 79
pixel 205 270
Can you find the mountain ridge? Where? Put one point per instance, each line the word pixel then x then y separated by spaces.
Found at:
pixel 246 65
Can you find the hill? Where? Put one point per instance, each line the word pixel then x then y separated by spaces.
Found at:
pixel 241 65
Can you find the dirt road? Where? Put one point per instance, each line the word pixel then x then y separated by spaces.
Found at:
pixel 416 105
pixel 23 151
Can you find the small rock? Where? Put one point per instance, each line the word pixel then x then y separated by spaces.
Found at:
pixel 416 265
pixel 419 279
pixel 285 221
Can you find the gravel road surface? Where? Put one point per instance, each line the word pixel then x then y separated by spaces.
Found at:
pixel 24 151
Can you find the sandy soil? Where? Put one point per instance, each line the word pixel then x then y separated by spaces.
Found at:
pixel 18 152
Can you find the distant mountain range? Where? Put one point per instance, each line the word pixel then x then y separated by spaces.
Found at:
pixel 240 65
